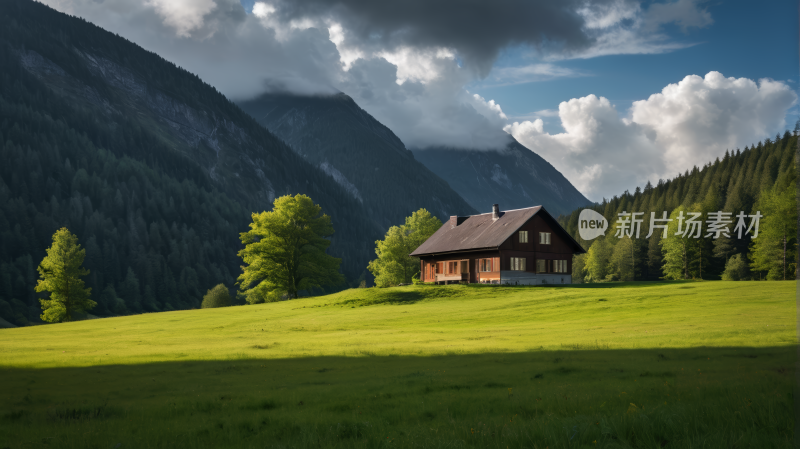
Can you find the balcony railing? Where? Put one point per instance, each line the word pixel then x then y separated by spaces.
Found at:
pixel 484 276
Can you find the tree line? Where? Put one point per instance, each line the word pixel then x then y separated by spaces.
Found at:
pixel 759 180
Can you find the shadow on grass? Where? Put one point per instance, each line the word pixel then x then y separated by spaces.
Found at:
pixel 623 398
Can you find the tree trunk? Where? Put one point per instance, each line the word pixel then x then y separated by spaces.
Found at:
pixel 685 263
pixel 784 254
pixel 633 264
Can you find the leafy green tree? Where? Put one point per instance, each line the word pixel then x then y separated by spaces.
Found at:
pixel 394 265
pixel 60 274
pixel 219 296
pixel 621 261
pixel 597 260
pixel 676 249
pixel 285 251
pixel 578 268
pixel 735 269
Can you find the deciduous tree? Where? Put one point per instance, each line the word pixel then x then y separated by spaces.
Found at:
pixel 219 296
pixel 394 265
pixel 284 251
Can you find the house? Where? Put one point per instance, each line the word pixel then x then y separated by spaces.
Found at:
pixel 520 247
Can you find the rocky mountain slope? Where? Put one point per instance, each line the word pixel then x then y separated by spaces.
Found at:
pixel 514 176
pixel 365 157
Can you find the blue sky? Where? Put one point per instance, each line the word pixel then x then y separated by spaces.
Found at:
pixel 747 39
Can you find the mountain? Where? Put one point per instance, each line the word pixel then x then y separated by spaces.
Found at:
pixel 365 157
pixel 513 176
pixel 155 171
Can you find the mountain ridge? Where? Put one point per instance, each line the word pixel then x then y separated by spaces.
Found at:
pixel 513 176
pixel 362 154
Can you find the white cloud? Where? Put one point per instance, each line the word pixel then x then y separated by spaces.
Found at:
pixel 414 64
pixel 624 27
pixel 183 15
pixel 438 112
pixel 490 107
pixel 697 118
pixel 531 73
pixel 689 123
pixel 347 55
pixel 684 13
pixel 606 15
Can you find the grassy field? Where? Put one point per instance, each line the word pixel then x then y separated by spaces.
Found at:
pixel 645 365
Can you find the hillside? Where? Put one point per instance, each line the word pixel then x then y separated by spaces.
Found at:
pixel 429 320
pixel 757 179
pixel 514 176
pixel 364 156
pixel 154 170
pixel 671 364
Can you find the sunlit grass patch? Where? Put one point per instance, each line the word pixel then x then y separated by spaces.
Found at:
pixel 655 365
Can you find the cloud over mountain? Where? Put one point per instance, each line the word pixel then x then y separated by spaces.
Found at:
pixel 409 64
pixel 688 123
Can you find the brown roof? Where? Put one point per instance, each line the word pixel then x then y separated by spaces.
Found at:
pixel 476 232
pixel 481 232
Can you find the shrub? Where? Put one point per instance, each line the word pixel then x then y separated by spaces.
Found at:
pixel 735 269
pixel 216 297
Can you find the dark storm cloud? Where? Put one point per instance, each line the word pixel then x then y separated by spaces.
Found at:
pixel 477 29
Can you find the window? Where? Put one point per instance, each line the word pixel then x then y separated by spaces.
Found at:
pixel 544 238
pixel 523 236
pixel 560 266
pixel 541 266
pixel 518 264
pixel 486 265
pixel 452 267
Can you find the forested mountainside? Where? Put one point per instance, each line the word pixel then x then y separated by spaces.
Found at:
pixel 514 176
pixel 155 171
pixel 760 178
pixel 364 156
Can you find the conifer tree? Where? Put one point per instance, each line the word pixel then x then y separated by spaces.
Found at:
pixel 621 262
pixel 675 249
pixel 60 272
pixel 773 251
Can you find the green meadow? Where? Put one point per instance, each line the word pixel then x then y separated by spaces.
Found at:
pixel 622 365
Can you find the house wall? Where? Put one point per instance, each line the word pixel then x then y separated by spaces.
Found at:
pixel 558 249
pixel 528 278
pixel 472 256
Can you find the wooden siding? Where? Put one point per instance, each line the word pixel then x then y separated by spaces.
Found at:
pixel 558 249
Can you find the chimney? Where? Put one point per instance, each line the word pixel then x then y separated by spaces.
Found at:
pixel 495 212
pixel 453 221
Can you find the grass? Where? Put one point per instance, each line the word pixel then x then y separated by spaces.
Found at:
pixel 679 364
